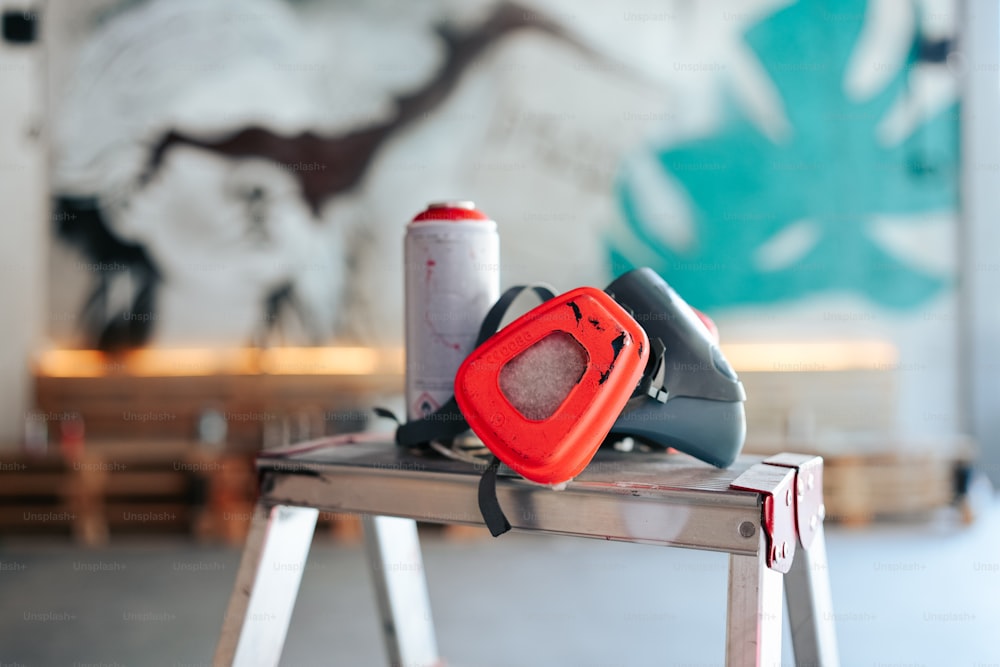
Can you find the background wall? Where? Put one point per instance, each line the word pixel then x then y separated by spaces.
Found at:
pixel 981 240
pixel 244 178
pixel 23 232
pixel 712 147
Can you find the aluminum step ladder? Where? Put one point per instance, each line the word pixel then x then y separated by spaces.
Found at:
pixel 766 513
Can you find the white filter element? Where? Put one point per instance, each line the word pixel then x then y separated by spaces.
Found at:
pixel 538 380
pixel 452 280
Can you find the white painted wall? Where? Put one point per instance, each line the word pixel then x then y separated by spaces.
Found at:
pixel 981 238
pixel 24 246
pixel 24 228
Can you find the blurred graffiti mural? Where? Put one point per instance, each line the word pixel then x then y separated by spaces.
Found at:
pixel 820 204
pixel 240 173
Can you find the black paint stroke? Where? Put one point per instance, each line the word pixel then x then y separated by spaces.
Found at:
pixel 616 345
pixel 576 311
pixel 342 161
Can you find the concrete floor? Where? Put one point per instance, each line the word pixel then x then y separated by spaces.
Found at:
pixel 919 594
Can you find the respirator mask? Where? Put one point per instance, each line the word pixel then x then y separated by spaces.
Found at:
pixel 584 369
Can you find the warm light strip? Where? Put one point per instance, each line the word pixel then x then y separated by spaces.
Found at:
pixel 195 362
pixel 73 363
pixel 321 361
pixel 745 357
pixel 813 356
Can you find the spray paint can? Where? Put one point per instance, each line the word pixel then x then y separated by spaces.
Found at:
pixel 452 257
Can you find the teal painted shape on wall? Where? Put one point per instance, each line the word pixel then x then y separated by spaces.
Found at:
pixel 743 189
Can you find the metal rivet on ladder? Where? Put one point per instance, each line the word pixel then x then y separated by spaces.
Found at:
pixel 747 529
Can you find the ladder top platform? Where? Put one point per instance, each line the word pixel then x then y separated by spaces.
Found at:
pixel 652 497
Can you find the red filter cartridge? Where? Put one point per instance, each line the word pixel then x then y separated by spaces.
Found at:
pixel 544 391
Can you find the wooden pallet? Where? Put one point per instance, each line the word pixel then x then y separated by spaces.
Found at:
pixel 37 495
pixel 124 409
pixel 873 479
pixel 259 410
pixel 123 487
pixel 121 404
pixel 861 489
pixel 852 401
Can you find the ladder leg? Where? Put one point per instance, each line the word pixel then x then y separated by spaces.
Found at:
pixel 810 606
pixel 753 631
pixel 393 549
pixel 267 584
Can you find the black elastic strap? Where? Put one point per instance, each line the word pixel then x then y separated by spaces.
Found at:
pixel 489 504
pixel 447 422
pixel 655 376
pixel 491 323
pixel 386 413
